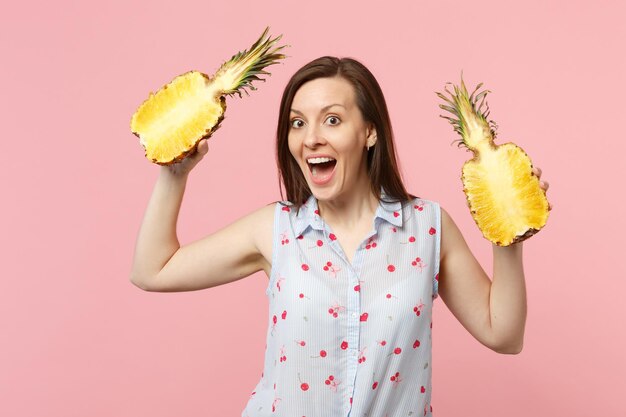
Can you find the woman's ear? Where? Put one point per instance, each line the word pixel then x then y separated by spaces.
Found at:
pixel 371 136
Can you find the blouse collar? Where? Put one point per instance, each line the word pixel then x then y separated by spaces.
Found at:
pixel 308 214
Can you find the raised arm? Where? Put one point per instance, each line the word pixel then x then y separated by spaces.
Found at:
pixel 160 264
pixel 494 312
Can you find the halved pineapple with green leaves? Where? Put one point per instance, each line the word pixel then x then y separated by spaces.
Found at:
pixel 504 196
pixel 172 121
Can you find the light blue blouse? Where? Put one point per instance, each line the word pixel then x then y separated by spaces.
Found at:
pixel 350 339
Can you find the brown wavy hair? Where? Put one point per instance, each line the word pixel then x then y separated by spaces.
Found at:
pixel 382 165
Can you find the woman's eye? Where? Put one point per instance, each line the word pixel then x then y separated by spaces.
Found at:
pixel 333 120
pixel 296 123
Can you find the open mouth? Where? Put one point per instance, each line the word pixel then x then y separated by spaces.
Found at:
pixel 321 168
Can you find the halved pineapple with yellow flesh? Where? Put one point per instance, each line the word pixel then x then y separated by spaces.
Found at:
pixel 504 196
pixel 172 121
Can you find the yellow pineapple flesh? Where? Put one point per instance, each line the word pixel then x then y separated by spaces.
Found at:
pixel 503 194
pixel 172 121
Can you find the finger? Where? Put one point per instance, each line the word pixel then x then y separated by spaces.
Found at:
pixel 203 146
pixel 544 184
pixel 549 206
pixel 537 171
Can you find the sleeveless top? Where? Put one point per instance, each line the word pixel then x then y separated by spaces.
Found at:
pixel 350 339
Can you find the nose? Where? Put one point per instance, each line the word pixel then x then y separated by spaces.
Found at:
pixel 314 138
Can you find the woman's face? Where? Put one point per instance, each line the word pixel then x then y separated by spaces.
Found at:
pixel 328 138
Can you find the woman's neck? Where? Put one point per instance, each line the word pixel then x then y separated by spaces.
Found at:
pixel 355 207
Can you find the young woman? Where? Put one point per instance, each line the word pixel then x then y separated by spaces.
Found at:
pixel 354 261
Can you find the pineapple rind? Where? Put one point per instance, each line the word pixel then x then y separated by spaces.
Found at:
pixel 505 198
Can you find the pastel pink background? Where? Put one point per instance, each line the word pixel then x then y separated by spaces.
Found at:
pixel 78 339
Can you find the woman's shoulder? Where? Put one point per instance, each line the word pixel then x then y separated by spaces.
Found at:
pixel 420 203
pixel 262 216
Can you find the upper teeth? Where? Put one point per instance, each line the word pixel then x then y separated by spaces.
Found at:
pixel 320 160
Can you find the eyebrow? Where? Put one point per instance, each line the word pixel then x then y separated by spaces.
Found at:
pixel 322 110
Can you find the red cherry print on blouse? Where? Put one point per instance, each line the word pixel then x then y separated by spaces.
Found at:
pixel 396 214
pixel 373 244
pixel 397 351
pixel 317 212
pixel 331 311
pixel 437 277
pixel 388 295
pixel 432 231
pixel 374 385
pixel 390 266
pixel 412 239
pixel 393 377
pixel 332 236
pixel 284 315
pixel 344 345
pixel 320 243
pixel 331 377
pixel 423 389
pixel 393 229
pixel 301 342
pixel 357 288
pixel 305 267
pixel 285 208
pixel 300 237
pixel 301 295
pixel 364 317
pixel 274 319
pixel 303 385
pixel 323 353
pixel 416 344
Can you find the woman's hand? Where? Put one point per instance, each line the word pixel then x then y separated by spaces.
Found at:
pixel 185 166
pixel 543 184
